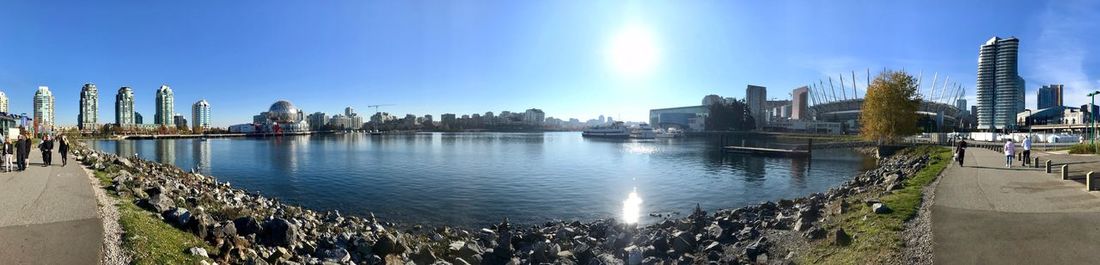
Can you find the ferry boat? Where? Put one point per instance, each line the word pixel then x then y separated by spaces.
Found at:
pixel 615 130
pixel 643 131
pixel 670 133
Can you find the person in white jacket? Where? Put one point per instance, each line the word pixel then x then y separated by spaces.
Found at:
pixel 1010 152
pixel 1027 150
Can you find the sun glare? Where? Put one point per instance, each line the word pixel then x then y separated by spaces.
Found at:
pixel 633 51
pixel 632 207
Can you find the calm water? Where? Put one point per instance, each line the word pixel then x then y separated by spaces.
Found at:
pixel 478 178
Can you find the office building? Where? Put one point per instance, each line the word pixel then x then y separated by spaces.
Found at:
pixel 200 116
pixel 1049 96
pixel 89 107
pixel 999 86
pixel 349 111
pixel 757 99
pixel 179 121
pixel 3 102
pixel 138 119
pixel 124 108
pixel 317 121
pixel 165 106
pixel 800 109
pixel 44 109
pixel 961 104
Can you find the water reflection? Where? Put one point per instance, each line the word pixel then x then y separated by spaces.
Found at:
pixel 200 154
pixel 632 207
pixel 166 151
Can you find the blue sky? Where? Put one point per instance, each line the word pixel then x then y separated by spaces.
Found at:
pixel 430 57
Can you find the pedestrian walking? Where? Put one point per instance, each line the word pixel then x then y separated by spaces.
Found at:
pixel 63 149
pixel 1027 150
pixel 960 151
pixel 22 149
pixel 8 150
pixel 1010 152
pixel 46 146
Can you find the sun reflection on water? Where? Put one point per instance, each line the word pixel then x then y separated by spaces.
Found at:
pixel 632 207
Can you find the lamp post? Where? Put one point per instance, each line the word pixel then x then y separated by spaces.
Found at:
pixel 1028 122
pixel 1092 117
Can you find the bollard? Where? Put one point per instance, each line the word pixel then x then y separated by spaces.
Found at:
pixel 1065 172
pixel 1048 166
pixel 1036 165
pixel 1088 181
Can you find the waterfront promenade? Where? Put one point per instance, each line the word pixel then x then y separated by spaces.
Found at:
pixel 985 213
pixel 48 215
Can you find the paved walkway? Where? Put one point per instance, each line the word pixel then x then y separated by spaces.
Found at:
pixel 987 214
pixel 48 215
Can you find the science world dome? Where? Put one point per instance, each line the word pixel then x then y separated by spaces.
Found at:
pixel 283 111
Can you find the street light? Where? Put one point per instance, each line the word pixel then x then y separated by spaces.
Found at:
pixel 1092 117
pixel 1028 121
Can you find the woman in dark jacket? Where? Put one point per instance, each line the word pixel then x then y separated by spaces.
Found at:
pixel 47 150
pixel 63 148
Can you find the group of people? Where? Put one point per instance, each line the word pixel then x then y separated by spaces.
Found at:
pixel 17 152
pixel 1009 150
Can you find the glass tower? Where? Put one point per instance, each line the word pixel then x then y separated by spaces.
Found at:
pixel 999 86
pixel 124 107
pixel 89 107
pixel 165 107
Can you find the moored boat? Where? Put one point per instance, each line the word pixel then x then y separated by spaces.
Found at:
pixel 614 130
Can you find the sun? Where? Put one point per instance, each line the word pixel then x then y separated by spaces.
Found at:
pixel 633 51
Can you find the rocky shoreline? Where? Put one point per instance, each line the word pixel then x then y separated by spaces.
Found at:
pixel 247 228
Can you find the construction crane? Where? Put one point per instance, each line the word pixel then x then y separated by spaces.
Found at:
pixel 379 105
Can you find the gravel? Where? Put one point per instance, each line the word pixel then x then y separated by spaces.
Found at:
pixel 112 232
pixel 918 231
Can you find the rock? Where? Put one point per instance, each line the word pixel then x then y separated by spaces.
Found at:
pixel 178 216
pixel 247 225
pixel 841 238
pixel 279 232
pixel 880 208
pixel 124 162
pixel 683 242
pixel 757 248
pixel 633 255
pixel 339 255
pixel 197 251
pixel 802 224
pixel 423 256
pixel 158 203
pixel 814 233
pixel 386 245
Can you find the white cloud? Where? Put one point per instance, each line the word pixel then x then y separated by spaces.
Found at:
pixel 1060 51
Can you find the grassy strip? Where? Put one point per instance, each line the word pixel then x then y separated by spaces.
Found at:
pixel 1085 148
pixel 150 240
pixel 877 237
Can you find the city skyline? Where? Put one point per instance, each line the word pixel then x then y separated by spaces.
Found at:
pixel 427 59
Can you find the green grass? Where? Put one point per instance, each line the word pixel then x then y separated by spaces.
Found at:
pixel 1084 148
pixel 878 236
pixel 148 239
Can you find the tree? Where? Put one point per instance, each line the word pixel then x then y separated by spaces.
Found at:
pixel 889 110
pixel 729 116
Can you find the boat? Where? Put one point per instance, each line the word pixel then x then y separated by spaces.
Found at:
pixel 669 133
pixel 643 131
pixel 614 130
pixel 375 132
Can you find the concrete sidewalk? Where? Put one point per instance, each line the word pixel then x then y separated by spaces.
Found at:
pixel 987 214
pixel 48 215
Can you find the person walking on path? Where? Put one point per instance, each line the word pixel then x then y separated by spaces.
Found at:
pixel 47 150
pixel 1010 152
pixel 1027 150
pixel 960 151
pixel 22 149
pixel 8 150
pixel 63 149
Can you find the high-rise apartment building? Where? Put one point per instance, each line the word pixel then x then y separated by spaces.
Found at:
pixel 179 121
pixel 44 108
pixel 757 99
pixel 3 102
pixel 317 120
pixel 89 107
pixel 200 115
pixel 1000 87
pixel 124 108
pixel 1049 96
pixel 165 107
pixel 961 105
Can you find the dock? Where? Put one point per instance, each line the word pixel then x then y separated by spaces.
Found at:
pixel 766 151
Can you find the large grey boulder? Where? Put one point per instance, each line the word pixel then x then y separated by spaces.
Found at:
pixel 279 232
pixel 158 203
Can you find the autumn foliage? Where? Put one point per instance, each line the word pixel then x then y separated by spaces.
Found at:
pixel 889 110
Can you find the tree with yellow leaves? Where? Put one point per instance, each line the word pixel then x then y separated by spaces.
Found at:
pixel 889 110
